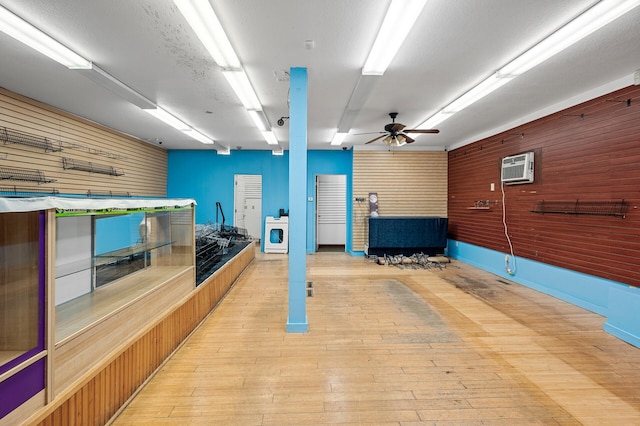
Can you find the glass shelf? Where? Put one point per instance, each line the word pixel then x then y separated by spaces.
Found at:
pixel 128 252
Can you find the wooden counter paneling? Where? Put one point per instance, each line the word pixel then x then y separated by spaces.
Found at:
pixel 96 396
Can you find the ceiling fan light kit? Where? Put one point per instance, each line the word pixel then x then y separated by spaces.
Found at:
pixel 395 134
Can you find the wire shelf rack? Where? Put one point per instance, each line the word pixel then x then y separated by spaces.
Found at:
pixel 15 191
pixel 87 166
pixel 108 194
pixel 26 175
pixel 578 207
pixel 21 138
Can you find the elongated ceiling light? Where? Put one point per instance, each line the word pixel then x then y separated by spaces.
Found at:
pixel 168 118
pixel 585 24
pixel 194 134
pixel 338 138
pixel 240 84
pixel 26 33
pixel 398 21
pixel 205 23
pixel 270 137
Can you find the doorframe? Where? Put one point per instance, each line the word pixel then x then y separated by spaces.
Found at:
pixel 236 206
pixel 316 245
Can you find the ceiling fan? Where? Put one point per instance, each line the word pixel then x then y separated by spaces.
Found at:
pixel 395 133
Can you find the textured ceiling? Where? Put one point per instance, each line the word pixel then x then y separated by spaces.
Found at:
pixel 147 45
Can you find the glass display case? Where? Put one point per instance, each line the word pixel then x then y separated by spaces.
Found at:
pixel 106 259
pixel 83 273
pixel 21 287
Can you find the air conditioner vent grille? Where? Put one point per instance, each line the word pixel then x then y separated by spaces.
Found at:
pixel 518 168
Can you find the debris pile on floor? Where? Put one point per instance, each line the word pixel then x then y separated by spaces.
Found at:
pixel 415 261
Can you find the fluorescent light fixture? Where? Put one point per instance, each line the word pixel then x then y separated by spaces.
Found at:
pixel 193 133
pixel 338 138
pixel 104 79
pixel 478 92
pixel 277 152
pixel 270 137
pixel 240 84
pixel 590 21
pixel 436 119
pixel 169 119
pixel 260 119
pixel 205 23
pixel 397 23
pixel 26 33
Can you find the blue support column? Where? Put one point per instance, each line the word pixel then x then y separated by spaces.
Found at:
pixel 297 318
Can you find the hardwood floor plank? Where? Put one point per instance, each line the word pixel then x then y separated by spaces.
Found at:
pixel 391 346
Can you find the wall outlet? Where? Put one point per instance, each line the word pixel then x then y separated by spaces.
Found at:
pixel 493 186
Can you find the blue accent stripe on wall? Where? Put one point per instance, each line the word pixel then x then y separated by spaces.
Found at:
pixel 616 301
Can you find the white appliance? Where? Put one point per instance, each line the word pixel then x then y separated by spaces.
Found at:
pixel 276 234
pixel 518 168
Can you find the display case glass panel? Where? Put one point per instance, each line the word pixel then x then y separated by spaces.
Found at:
pixel 21 287
pixel 104 261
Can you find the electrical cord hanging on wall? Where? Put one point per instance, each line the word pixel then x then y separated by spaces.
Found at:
pixel 510 270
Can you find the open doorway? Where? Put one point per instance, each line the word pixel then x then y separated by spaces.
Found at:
pixel 331 213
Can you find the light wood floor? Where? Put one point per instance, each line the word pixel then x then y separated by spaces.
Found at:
pixel 390 346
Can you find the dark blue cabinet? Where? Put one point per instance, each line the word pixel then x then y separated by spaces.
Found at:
pixel 407 235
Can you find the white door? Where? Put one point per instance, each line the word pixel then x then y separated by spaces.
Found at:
pixel 248 204
pixel 331 209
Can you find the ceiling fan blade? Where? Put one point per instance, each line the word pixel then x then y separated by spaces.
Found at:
pixel 375 139
pixel 422 131
pixel 369 133
pixel 408 139
pixel 396 127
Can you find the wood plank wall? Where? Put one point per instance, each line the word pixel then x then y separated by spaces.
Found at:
pixel 588 152
pixel 144 165
pixel 97 397
pixel 408 183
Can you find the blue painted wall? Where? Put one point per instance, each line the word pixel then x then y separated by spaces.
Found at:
pixel 328 163
pixel 208 177
pixel 116 232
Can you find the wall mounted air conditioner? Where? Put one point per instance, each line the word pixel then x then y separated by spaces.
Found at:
pixel 517 169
